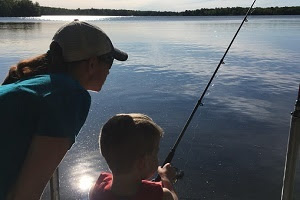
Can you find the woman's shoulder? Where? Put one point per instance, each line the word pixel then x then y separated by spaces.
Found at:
pixel 45 85
pixel 53 80
pixel 53 83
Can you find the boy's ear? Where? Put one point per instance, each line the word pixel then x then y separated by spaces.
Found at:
pixel 141 163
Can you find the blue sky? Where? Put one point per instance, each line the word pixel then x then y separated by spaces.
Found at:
pixel 163 5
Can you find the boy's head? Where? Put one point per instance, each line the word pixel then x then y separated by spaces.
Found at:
pixel 126 138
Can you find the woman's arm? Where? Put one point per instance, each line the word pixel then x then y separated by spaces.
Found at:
pixel 43 157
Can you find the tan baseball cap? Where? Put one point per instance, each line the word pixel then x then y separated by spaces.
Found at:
pixel 81 40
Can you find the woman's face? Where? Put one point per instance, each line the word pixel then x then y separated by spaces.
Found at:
pixel 99 74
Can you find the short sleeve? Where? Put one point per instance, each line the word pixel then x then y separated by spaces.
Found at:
pixel 62 114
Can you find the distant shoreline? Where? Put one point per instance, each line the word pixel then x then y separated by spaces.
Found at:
pixel 295 10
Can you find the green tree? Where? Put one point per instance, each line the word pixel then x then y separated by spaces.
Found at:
pixel 19 8
pixel 5 7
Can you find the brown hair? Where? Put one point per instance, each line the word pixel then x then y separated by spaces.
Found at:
pixel 50 62
pixel 125 138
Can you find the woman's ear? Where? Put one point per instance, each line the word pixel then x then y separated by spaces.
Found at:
pixel 92 64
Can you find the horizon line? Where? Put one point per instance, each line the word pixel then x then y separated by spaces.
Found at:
pixel 162 10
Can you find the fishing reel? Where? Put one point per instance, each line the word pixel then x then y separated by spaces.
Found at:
pixel 179 174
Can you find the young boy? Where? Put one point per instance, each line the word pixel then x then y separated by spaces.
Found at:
pixel 130 143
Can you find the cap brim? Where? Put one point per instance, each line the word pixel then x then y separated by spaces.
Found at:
pixel 120 55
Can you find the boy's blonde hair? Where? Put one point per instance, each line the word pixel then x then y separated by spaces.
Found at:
pixel 127 137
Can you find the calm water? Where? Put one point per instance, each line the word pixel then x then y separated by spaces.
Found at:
pixel 235 146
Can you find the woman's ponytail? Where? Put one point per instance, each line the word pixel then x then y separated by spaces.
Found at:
pixel 50 62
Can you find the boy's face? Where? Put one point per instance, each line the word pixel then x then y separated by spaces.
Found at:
pixel 151 161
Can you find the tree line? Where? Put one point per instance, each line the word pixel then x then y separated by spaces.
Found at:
pixel 25 8
pixel 198 12
pixel 19 8
pixel 241 11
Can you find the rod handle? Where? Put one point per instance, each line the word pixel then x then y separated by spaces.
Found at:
pixel 167 160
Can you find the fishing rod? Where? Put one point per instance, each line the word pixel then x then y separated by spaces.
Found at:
pixel 199 103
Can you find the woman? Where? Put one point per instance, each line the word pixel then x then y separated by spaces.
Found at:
pixel 44 103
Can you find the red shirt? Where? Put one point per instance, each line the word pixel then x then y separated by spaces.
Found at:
pixel 102 190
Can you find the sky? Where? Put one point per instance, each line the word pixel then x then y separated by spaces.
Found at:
pixel 163 5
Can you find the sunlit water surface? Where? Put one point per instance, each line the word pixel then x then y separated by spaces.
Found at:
pixel 235 146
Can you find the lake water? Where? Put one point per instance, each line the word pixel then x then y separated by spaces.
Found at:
pixel 234 148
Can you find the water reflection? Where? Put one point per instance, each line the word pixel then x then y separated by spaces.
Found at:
pixel 19 26
pixel 85 183
pixel 71 18
pixel 80 169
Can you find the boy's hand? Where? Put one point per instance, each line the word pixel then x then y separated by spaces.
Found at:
pixel 167 173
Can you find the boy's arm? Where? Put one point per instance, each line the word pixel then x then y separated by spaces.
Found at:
pixel 168 195
pixel 167 174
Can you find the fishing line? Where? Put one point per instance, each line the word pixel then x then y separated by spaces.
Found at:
pixel 191 147
pixel 199 103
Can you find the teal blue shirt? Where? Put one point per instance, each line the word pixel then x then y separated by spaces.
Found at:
pixel 52 105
